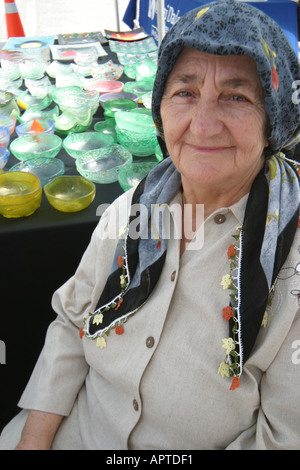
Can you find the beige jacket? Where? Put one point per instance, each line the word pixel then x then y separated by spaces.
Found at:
pixel 157 385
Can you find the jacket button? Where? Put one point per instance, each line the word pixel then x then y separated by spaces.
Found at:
pixel 173 275
pixel 135 405
pixel 219 218
pixel 150 342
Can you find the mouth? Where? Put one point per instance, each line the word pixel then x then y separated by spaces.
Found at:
pixel 209 149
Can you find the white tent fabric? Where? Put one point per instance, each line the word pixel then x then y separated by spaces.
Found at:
pixel 51 17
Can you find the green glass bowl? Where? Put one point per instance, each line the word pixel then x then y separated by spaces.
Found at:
pixel 137 120
pixel 77 144
pixel 20 194
pixel 135 142
pixel 131 175
pixel 103 165
pixel 107 127
pixel 36 146
pixel 70 193
pixel 111 107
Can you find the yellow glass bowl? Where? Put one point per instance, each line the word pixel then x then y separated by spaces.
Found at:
pixel 70 193
pixel 20 194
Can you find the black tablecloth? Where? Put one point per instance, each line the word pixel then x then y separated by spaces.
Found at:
pixel 38 254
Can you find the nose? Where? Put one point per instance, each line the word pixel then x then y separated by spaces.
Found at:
pixel 206 118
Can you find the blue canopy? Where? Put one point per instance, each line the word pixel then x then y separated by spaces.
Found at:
pixel 284 12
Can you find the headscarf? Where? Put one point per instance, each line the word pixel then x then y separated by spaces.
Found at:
pixel 229 27
pixel 272 210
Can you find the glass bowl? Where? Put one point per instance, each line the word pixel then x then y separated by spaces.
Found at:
pixel 34 112
pixel 9 122
pixel 137 120
pixel 139 87
pixel 8 104
pixel 103 165
pixel 20 194
pixel 70 193
pixel 4 136
pixel 136 131
pixel 132 174
pixel 77 144
pixel 26 100
pixel 103 86
pixel 36 145
pixel 46 169
pixel 107 127
pixel 117 96
pixel 32 67
pixel 35 126
pixel 138 144
pixel 107 71
pixel 112 106
pixel 4 154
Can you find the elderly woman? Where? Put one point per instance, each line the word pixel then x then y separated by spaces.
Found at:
pixel 194 342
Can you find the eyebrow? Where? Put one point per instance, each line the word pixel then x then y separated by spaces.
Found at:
pixel 235 83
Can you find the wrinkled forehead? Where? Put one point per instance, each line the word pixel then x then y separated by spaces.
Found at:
pixel 193 66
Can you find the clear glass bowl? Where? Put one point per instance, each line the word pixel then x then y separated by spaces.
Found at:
pixel 131 175
pixel 9 122
pixel 35 126
pixel 27 147
pixel 26 100
pixel 4 154
pixel 34 112
pixel 103 165
pixel 70 193
pixel 76 144
pixel 20 194
pixel 4 136
pixel 8 104
pixel 46 169
pixel 32 68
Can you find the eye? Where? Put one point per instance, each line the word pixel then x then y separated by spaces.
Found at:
pixel 238 98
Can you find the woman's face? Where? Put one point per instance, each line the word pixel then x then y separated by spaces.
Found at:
pixel 214 120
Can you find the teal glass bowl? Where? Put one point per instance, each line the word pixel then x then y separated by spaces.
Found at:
pixel 46 169
pixel 103 165
pixel 77 144
pixel 36 146
pixel 131 175
pixel 70 193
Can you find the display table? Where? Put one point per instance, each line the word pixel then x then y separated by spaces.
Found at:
pixel 38 254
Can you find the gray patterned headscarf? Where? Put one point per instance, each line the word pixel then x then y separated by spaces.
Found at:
pixel 236 28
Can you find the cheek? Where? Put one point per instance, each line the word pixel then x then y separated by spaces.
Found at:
pixel 249 130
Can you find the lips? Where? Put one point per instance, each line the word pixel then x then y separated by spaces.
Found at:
pixel 209 149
